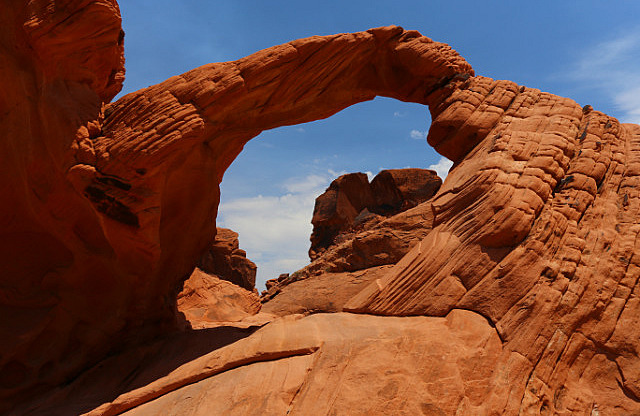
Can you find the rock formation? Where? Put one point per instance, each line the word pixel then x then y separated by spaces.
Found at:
pixel 226 260
pixel 522 298
pixel 358 241
pixel 336 210
pixel 351 200
pixel 207 299
pixel 222 287
pixel 108 212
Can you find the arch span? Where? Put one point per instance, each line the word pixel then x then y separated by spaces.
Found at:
pixel 117 203
pixel 172 142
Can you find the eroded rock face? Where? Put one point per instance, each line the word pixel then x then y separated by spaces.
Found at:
pixel 355 255
pixel 352 203
pixel 207 299
pixel 337 209
pixel 527 281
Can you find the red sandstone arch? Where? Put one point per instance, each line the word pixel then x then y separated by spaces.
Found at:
pixel 109 207
pixel 116 204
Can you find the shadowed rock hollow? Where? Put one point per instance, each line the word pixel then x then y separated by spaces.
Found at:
pixel 522 297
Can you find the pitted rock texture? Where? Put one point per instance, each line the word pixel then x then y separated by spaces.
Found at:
pixel 351 202
pixel 535 228
pixel 528 278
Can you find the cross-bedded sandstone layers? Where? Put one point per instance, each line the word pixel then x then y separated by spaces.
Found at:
pixel 109 207
pixel 363 244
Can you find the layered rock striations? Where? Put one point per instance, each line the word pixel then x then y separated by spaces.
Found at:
pixel 112 205
pixel 524 288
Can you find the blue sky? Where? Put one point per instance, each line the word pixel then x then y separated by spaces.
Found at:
pixel 585 50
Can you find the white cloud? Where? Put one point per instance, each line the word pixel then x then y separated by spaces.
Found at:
pixel 275 230
pixel 307 184
pixel 442 167
pixel 629 102
pixel 300 130
pixel 613 66
pixel 398 114
pixel 335 174
pixel 417 134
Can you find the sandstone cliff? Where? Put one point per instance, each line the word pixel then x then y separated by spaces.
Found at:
pixel 520 299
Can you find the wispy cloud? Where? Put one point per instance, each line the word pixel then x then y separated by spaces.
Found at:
pixel 310 183
pixel 417 134
pixel 398 114
pixel 613 67
pixel 442 167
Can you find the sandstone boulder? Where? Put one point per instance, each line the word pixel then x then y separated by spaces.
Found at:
pixel 205 299
pixel 337 208
pixel 397 190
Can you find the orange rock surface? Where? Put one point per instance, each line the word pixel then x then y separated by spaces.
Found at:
pixel 205 299
pixel 365 242
pixel 521 299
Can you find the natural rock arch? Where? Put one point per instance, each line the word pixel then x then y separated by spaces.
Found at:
pixel 535 228
pixel 118 203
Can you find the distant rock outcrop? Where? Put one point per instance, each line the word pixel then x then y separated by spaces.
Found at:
pixel 521 298
pixel 207 299
pixel 351 201
pixel 398 216
pixel 227 261
pixel 222 287
pixel 337 208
